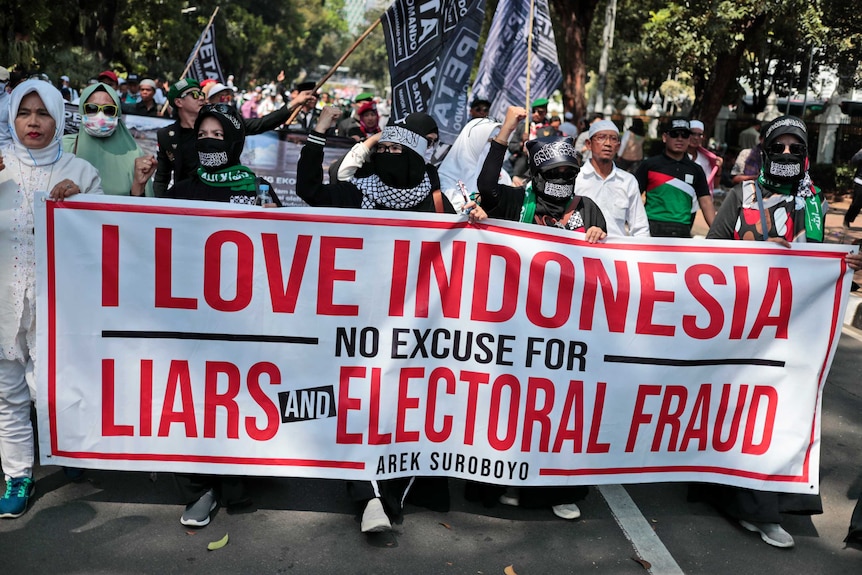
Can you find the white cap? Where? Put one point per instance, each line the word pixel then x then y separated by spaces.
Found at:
pixel 603 126
pixel 216 88
pixel 696 124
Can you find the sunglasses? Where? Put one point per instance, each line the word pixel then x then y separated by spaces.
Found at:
pixel 678 134
pixel 195 94
pixel 219 108
pixel 109 109
pixel 795 149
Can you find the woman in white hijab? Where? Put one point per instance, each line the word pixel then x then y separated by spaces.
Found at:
pixel 32 162
pixel 464 161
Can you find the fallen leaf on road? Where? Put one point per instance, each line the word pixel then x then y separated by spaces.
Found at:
pixel 644 563
pixel 510 570
pixel 213 545
pixel 446 525
pixel 191 532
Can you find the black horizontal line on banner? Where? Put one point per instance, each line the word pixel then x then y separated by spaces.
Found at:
pixel 692 362
pixel 209 336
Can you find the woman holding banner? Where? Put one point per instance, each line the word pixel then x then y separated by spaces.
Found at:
pixel 219 178
pixel 32 162
pixel 105 142
pixel 780 206
pixel 548 199
pixel 396 179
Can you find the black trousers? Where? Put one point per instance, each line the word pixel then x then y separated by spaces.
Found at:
pixel 855 206
pixel 669 229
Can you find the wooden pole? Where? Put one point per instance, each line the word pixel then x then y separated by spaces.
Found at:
pixel 529 59
pixel 335 66
pixel 194 55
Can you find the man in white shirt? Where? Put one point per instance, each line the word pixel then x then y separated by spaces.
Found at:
pixel 614 190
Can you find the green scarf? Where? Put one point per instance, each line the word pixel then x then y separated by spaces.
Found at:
pixel 528 210
pixel 808 192
pixel 237 177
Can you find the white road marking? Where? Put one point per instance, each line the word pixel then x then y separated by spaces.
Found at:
pixel 852 333
pixel 638 530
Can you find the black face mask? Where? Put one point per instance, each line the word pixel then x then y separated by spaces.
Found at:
pixel 400 171
pixel 783 168
pixel 213 154
pixel 556 185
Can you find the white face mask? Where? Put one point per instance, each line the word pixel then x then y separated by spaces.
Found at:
pixel 100 125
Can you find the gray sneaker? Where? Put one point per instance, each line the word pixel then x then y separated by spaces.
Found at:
pixel 197 514
pixel 771 533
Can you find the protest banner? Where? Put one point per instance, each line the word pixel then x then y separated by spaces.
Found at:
pixel 431 48
pixel 353 344
pixel 501 77
pixel 203 61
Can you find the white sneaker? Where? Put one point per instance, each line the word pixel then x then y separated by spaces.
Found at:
pixel 566 511
pixel 510 497
pixel 374 519
pixel 771 533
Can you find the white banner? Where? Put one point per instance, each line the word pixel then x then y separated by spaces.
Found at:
pixel 201 337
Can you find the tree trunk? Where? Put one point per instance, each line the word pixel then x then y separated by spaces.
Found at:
pixel 575 17
pixel 723 75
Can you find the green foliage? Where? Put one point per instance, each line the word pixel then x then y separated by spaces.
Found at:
pixel 256 39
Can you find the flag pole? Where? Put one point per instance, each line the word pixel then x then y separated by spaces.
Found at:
pixel 529 58
pixel 193 56
pixel 335 66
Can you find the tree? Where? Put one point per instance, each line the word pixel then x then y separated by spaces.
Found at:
pixel 575 19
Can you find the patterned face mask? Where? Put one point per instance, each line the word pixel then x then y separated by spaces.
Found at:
pixel 212 154
pixel 99 125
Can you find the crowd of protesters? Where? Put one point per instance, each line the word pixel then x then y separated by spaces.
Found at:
pixel 530 167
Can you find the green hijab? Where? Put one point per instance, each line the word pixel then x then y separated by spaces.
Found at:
pixel 113 156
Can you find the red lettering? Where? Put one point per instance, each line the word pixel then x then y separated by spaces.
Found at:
pixel 398 290
pixel 244 276
pixel 473 379
pixel 670 417
pixel 213 399
pixel 180 379
pixel 269 407
pixel 616 305
pixel 573 412
pixel 504 381
pixel 163 261
pixel 431 256
pixel 405 402
pixel 438 375
pixel 650 296
pixel 777 281
pixel 534 414
pixel 109 426
pixel 593 445
pixel 639 417
pixel 740 303
pixel 284 297
pixel 535 289
pixel 328 274
pixel 771 396
pixel 703 297
pixel 374 435
pixel 512 261
pixel 346 404
pixel 110 266
pixel 699 415
pixel 733 431
pixel 146 396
